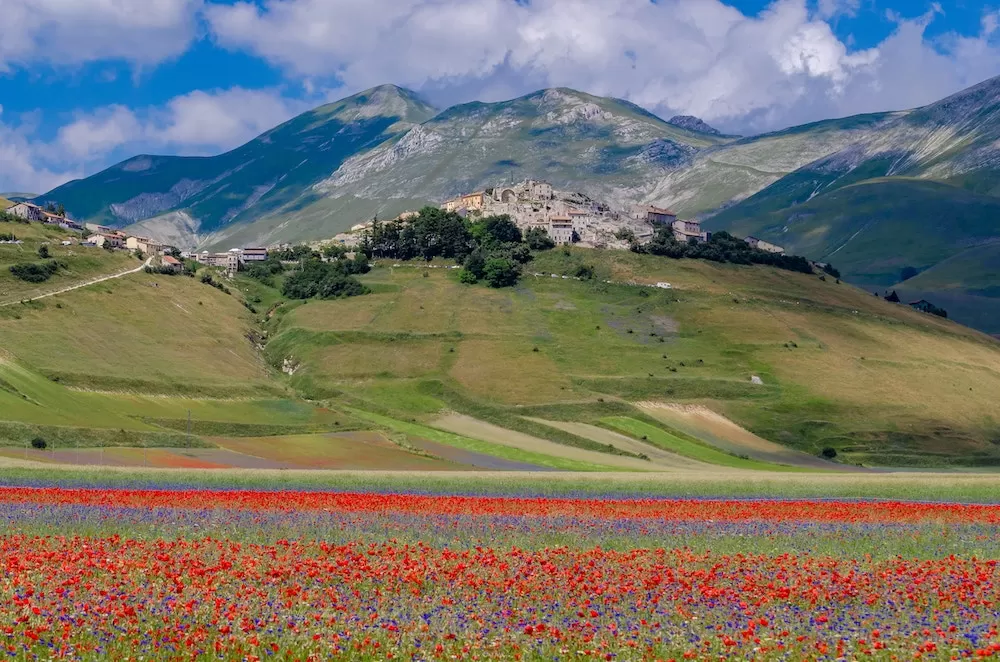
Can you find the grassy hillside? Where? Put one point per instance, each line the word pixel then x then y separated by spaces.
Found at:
pixel 553 374
pixel 841 368
pixel 873 229
pixel 79 264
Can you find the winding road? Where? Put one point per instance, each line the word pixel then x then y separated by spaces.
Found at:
pixel 142 266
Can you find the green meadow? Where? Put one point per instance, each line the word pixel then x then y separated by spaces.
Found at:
pixel 555 373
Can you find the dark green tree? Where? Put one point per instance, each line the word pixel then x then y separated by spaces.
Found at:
pixel 501 272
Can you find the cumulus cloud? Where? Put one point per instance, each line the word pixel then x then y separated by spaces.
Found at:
pixel 701 57
pixel 63 32
pixel 197 123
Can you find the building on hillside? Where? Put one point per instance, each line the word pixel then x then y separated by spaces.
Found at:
pixel 923 306
pixel 561 230
pixel 212 259
pixel 654 215
pixel 67 224
pixel 173 263
pixel 234 258
pixel 144 244
pixel 762 245
pixel 50 218
pixel 101 239
pixel 27 210
pixel 99 229
pixel 685 231
pixel 254 254
pixel 407 215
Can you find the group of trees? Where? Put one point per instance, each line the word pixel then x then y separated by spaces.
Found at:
pixel 491 249
pixel 721 247
pixel 33 272
pixel 326 280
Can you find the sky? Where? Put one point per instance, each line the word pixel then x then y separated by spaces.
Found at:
pixel 87 83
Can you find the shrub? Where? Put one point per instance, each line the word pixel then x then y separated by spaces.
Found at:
pixel 829 452
pixel 584 272
pixel 34 273
pixel 43 252
pixel 467 277
pixel 39 443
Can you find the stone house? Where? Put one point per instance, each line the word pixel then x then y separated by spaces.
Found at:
pixel 561 230
pixel 172 263
pixel 102 239
pixel 762 245
pixel 144 244
pixel 684 231
pixel 27 211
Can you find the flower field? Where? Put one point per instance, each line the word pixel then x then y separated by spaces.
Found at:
pixel 102 573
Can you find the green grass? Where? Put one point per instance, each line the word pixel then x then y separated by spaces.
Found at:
pixel 852 226
pixel 80 264
pixel 686 447
pixel 477 446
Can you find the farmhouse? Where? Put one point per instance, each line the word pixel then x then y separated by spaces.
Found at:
pixel 762 245
pixel 685 231
pixel 923 306
pixel 655 215
pixel 172 263
pixel 102 239
pixel 27 211
pixel 144 244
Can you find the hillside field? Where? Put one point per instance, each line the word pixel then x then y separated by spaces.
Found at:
pixel 554 374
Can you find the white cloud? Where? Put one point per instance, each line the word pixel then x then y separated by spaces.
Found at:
pixel 67 32
pixel 828 9
pixel 221 119
pixel 700 57
pixel 98 133
pixel 197 123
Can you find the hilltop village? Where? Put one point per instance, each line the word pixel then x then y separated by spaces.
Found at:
pixel 567 217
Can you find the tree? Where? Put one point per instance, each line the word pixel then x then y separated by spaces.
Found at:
pixel 893 298
pixel 51 208
pixel 43 252
pixel 538 239
pixel 475 264
pixel 499 230
pixel 60 209
pixel 584 272
pixel 467 277
pixel 501 272
pixel 39 443
pixel 829 452
pixel 174 253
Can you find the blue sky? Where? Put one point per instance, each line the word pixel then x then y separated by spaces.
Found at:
pixel 85 83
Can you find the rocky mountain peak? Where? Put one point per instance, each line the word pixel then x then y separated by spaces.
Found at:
pixel 692 123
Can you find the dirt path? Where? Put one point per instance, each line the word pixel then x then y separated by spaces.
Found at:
pixel 471 427
pixel 657 456
pixel 85 284
pixel 719 431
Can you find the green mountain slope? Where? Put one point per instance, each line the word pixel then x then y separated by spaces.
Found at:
pixel 269 173
pixel 608 147
pixel 879 382
pixel 874 229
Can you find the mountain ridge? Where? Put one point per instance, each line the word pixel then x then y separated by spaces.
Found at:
pixel 385 150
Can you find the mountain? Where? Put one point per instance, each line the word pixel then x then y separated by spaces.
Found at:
pixel 692 123
pixel 385 150
pixel 920 191
pixel 274 171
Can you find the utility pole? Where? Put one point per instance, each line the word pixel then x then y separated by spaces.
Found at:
pixel 189 422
